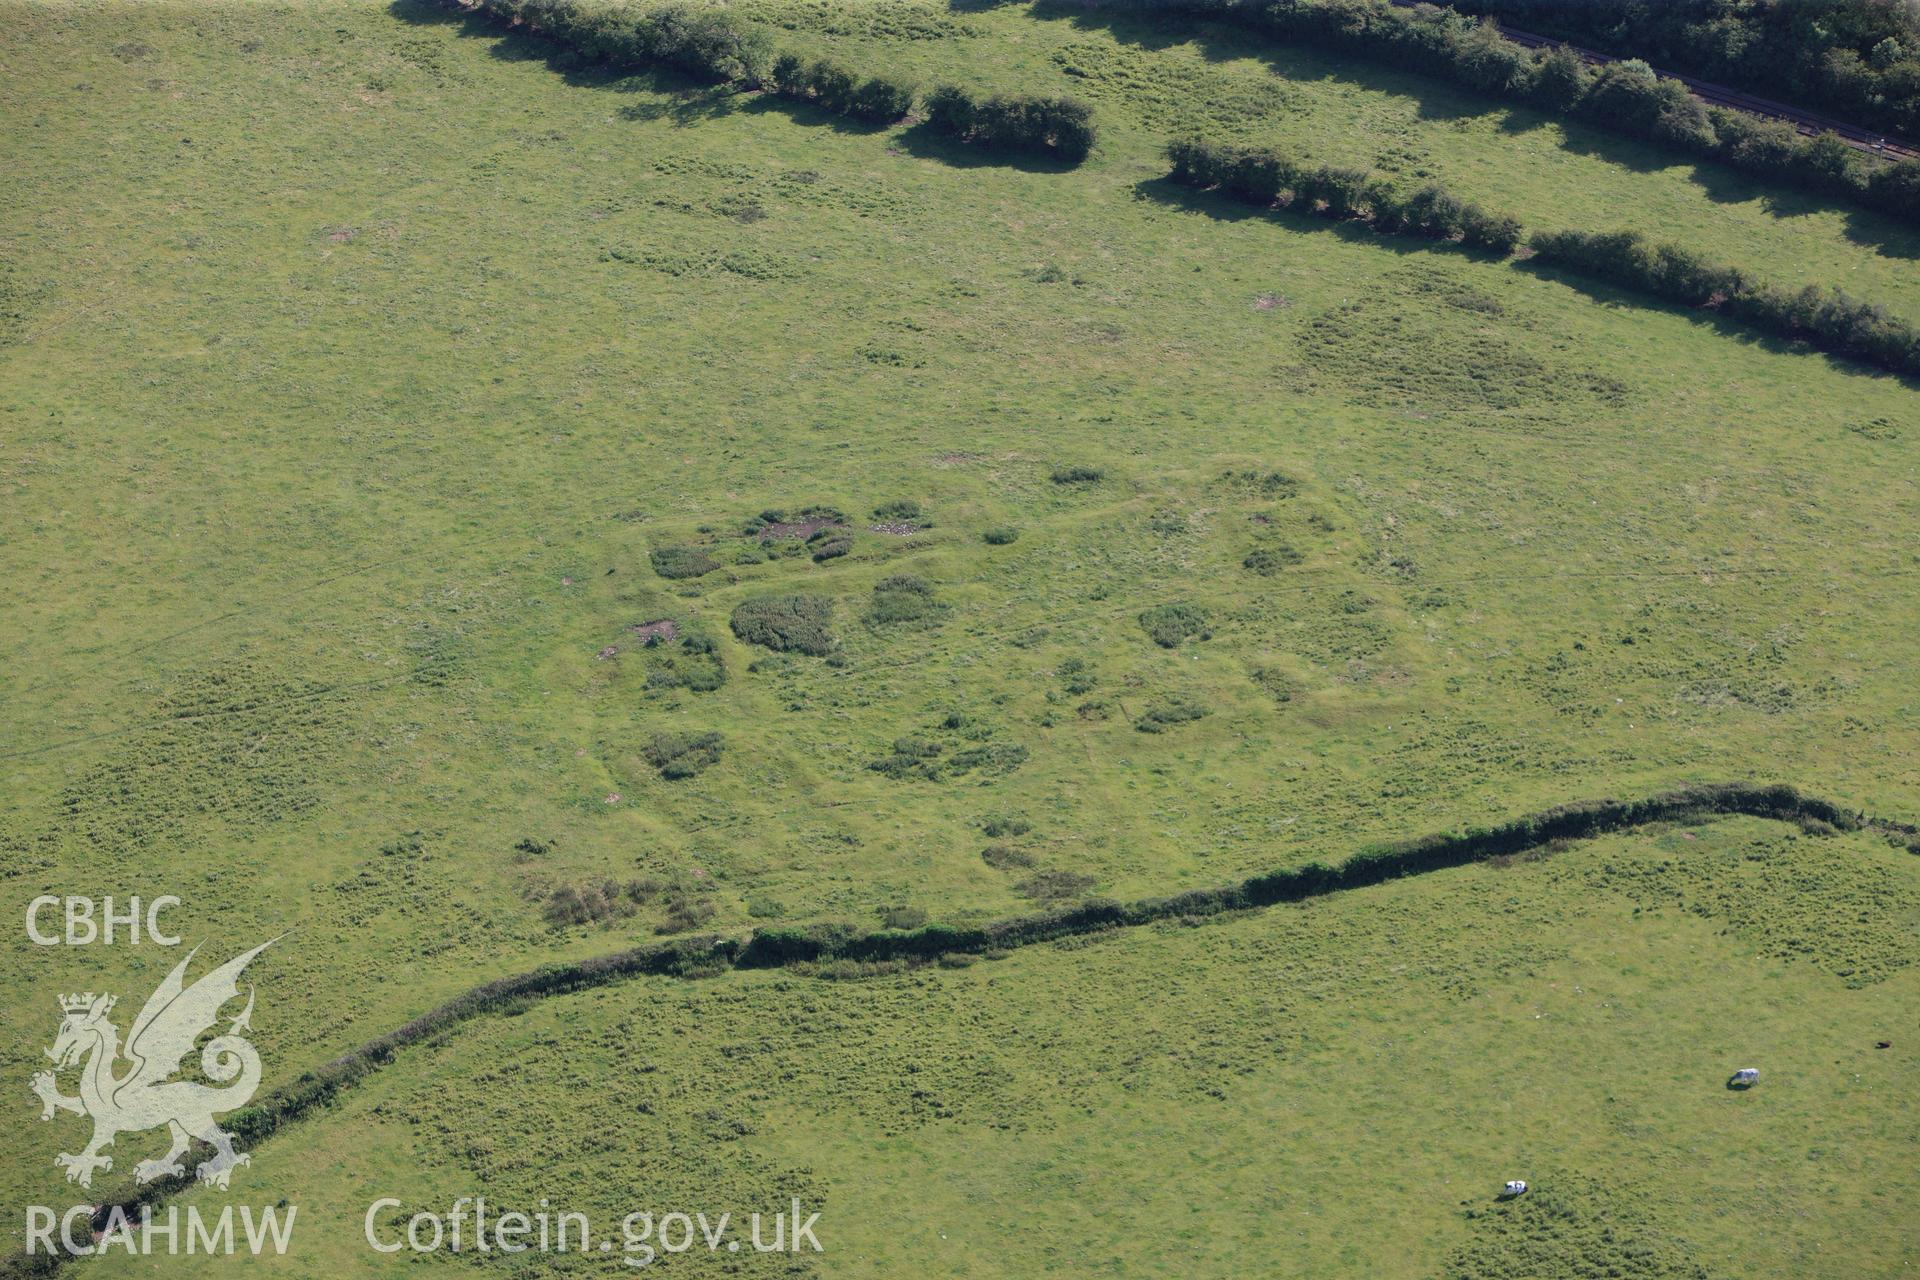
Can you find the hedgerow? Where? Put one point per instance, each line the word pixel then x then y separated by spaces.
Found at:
pixel 786 945
pixel 1823 316
pixel 715 45
pixel 705 42
pixel 1061 128
pixel 1264 177
pixel 832 87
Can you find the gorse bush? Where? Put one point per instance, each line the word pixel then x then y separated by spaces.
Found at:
pixel 1077 474
pixel 682 755
pixel 591 903
pixel 1055 886
pixel 829 544
pixel 1824 317
pixel 1162 716
pixel 904 598
pixel 1061 128
pixel 798 623
pixel 682 562
pixel 694 664
pixel 1263 177
pixel 1170 624
pixel 1267 561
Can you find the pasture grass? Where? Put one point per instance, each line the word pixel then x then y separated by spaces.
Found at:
pixel 362 369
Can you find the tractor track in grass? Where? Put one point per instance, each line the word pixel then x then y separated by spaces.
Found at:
pixel 774 947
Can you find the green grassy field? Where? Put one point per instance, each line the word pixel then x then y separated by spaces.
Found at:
pixel 355 360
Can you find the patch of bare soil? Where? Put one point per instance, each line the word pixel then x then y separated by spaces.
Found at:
pixel 801 529
pixel 659 631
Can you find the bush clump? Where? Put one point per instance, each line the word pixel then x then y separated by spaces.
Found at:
pixel 1077 475
pixel 899 509
pixel 682 755
pixel 682 562
pixel 1004 857
pixel 1267 561
pixel 1077 676
pixel 903 598
pixel 1055 886
pixel 595 903
pixel 997 825
pixel 1162 716
pixel 1000 535
pixel 1169 625
pixel 911 758
pixel 829 544
pixel 796 623
pixel 903 917
pixel 692 663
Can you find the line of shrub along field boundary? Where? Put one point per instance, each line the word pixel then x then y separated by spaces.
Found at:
pixel 1624 96
pixel 714 45
pixel 827 943
pixel 1824 317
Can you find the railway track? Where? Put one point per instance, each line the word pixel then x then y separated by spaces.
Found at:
pixel 1808 123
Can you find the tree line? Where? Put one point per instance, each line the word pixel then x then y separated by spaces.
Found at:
pixel 1625 96
pixel 1855 57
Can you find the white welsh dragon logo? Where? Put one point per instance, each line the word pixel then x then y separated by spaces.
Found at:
pixel 144 1096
